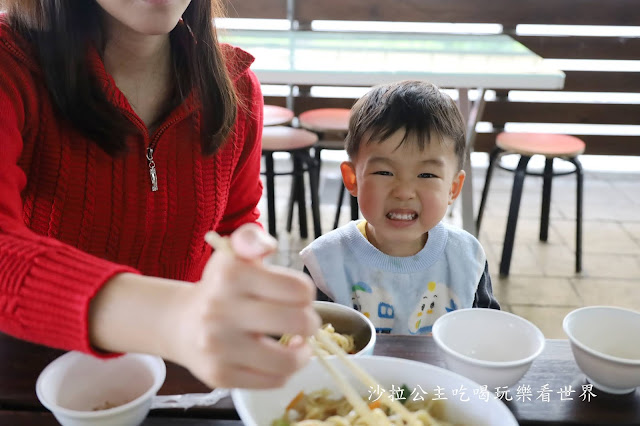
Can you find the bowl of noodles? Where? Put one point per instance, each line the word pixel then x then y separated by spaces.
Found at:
pixel 349 329
pixel 358 330
pixel 311 397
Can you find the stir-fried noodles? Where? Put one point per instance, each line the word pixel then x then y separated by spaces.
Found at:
pixel 344 341
pixel 318 409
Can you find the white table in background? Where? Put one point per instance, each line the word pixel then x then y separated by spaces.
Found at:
pixel 456 61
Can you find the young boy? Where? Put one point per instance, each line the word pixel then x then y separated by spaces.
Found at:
pixel 401 266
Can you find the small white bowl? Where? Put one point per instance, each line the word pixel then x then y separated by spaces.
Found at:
pixel 605 341
pixel 494 348
pixel 346 320
pixel 261 407
pixel 77 387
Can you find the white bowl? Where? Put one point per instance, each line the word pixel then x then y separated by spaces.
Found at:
pixel 76 387
pixel 261 407
pixel 605 341
pixel 494 348
pixel 346 320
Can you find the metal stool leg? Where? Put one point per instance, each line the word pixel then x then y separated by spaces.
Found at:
pixel 355 210
pixel 487 181
pixel 314 184
pixel 317 151
pixel 580 178
pixel 317 154
pixel 271 202
pixel 300 197
pixel 547 176
pixel 339 205
pixel 292 198
pixel 510 234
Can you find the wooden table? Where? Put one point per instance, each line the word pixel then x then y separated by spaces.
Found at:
pixel 33 418
pixel 348 58
pixel 21 362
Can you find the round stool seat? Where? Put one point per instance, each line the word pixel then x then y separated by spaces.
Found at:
pixel 282 138
pixel 547 144
pixel 276 115
pixel 325 119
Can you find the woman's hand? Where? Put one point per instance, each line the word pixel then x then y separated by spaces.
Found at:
pixel 219 328
pixel 226 321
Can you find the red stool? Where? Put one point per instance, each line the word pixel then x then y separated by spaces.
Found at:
pixel 526 145
pixel 297 142
pixel 323 121
pixel 277 116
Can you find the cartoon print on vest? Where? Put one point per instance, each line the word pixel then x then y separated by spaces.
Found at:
pixel 434 303
pixel 373 306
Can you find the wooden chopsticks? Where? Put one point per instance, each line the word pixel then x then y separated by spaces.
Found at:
pixel 347 390
pixel 366 379
pixel 218 242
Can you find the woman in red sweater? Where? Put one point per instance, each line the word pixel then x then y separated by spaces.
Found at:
pixel 126 133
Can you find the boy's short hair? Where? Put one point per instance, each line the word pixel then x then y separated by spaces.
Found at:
pixel 417 106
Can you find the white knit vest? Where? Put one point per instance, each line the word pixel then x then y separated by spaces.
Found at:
pixel 400 295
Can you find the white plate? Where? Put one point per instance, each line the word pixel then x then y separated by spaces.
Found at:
pixel 261 407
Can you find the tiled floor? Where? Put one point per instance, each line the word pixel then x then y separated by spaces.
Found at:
pixel 542 285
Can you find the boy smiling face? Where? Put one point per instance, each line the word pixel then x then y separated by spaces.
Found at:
pixel 403 191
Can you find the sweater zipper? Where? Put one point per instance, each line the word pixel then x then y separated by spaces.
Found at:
pixel 152 169
pixel 153 174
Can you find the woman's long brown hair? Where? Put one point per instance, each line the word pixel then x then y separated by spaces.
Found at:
pixel 62 30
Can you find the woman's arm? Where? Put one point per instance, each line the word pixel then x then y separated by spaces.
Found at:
pixel 219 328
pixel 45 285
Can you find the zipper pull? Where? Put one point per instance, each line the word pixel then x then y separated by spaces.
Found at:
pixel 152 170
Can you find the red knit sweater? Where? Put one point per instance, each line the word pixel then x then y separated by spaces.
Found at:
pixel 71 216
